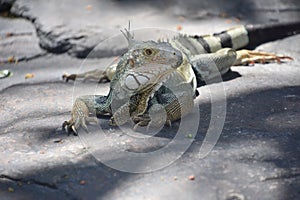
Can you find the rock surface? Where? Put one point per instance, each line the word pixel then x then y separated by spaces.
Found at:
pixel 78 26
pixel 18 41
pixel 256 157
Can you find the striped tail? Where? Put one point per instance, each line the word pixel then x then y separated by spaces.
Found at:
pixel 248 37
pixel 259 34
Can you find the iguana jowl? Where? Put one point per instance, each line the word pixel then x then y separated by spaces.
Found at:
pixel 155 77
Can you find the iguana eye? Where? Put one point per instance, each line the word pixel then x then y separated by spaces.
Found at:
pixel 148 52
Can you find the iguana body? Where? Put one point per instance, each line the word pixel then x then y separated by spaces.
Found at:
pixel 156 77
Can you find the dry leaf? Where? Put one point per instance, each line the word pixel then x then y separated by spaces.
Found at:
pixel 82 182
pixel 9 34
pixel 89 7
pixel 179 28
pixel 191 177
pixel 11 59
pixel 29 75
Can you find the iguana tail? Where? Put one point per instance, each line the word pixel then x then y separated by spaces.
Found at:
pixel 259 34
pixel 247 37
pixel 250 36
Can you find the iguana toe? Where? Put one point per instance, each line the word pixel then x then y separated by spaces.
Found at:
pixel 246 57
pixel 74 130
pixel 65 126
pixel 84 126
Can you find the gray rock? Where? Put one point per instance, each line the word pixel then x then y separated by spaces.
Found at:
pixel 256 157
pixel 5 5
pixel 18 41
pixel 77 26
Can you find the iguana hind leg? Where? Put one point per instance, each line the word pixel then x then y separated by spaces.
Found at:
pixel 211 66
pixel 97 74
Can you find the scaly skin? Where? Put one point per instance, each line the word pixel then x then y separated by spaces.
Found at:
pixel 155 83
pixel 138 74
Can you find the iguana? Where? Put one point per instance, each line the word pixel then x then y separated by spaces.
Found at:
pixel 153 77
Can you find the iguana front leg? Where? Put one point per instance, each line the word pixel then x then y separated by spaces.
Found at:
pixel 84 111
pixel 211 66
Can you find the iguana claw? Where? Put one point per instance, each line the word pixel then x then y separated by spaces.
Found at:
pixel 74 130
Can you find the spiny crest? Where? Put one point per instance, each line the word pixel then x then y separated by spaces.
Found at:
pixel 163 40
pixel 180 36
pixel 128 35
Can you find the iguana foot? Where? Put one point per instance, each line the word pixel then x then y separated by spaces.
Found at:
pixel 79 118
pixel 66 77
pixel 150 124
pixel 72 125
pixel 246 57
pixel 156 118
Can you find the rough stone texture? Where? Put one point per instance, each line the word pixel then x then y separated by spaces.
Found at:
pixel 78 26
pixel 5 5
pixel 256 157
pixel 18 40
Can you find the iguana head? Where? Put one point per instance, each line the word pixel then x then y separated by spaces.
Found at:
pixel 148 63
pixel 145 52
pixel 143 69
pixel 145 64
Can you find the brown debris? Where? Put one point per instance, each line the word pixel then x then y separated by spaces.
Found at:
pixel 29 75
